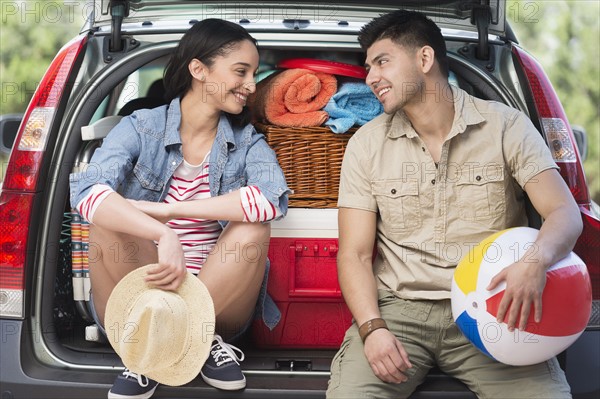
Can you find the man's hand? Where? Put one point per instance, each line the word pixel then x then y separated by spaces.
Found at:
pixel 387 356
pixel 156 210
pixel 525 282
pixel 170 271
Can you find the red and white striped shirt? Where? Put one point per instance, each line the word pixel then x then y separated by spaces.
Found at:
pixel 197 236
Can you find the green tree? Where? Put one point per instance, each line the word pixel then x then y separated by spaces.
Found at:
pixel 31 33
pixel 563 36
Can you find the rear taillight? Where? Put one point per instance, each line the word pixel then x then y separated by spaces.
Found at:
pixel 558 133
pixel 555 126
pixel 22 173
pixel 14 222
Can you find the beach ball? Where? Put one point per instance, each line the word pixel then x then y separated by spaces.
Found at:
pixel 566 301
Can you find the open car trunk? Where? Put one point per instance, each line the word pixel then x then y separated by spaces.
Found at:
pixel 61 324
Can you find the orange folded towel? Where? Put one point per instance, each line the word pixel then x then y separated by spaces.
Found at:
pixel 293 98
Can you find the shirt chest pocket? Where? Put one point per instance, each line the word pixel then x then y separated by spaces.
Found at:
pixel 481 193
pixel 398 203
pixel 144 184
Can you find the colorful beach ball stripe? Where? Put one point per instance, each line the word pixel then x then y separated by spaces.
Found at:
pixel 566 301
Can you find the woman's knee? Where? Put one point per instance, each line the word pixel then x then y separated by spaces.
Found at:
pixel 251 234
pixel 247 242
pixel 259 229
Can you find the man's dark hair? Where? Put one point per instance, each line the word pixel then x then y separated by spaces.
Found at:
pixel 410 29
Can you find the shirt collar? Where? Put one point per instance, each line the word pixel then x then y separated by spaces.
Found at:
pixel 225 130
pixel 172 134
pixel 465 114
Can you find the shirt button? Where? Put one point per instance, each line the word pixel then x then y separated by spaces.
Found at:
pixel 423 148
pixel 173 163
pixel 478 178
pixel 433 181
pixel 393 191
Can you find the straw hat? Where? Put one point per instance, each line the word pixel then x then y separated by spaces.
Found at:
pixel 164 335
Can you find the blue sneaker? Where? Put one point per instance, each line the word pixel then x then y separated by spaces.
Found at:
pixel 130 385
pixel 222 368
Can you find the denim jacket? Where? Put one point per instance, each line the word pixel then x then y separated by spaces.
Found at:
pixel 140 155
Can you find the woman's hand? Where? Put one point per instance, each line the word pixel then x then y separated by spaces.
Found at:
pixel 170 272
pixel 387 357
pixel 157 210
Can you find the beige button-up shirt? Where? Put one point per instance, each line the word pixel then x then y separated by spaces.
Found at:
pixel 429 216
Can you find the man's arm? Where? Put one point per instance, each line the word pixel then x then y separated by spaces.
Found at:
pixel 355 263
pixel 525 280
pixel 385 353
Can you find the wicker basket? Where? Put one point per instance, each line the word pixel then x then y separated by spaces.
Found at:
pixel 311 159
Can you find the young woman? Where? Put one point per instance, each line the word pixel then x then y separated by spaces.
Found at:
pixel 188 186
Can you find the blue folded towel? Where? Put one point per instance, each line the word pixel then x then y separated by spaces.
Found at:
pixel 353 104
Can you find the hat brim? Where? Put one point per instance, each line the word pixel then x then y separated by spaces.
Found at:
pixel 201 319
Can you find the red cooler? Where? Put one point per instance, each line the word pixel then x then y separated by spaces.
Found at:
pixel 303 283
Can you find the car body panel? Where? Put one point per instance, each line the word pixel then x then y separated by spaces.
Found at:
pixel 44 364
pixel 455 14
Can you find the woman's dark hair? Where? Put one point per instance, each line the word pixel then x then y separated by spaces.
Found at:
pixel 410 29
pixel 204 41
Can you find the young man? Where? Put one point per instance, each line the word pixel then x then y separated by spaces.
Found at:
pixel 426 181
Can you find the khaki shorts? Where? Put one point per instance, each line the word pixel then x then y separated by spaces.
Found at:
pixel 430 336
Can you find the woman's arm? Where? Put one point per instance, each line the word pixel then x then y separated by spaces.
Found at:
pixel 264 198
pixel 263 171
pixel 110 164
pixel 222 207
pixel 93 195
pixel 117 214
pixel 254 205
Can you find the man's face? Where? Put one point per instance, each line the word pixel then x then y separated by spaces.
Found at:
pixel 393 75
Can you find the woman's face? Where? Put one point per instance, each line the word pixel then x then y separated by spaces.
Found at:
pixel 230 80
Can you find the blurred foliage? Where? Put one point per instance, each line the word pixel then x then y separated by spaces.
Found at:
pixel 31 33
pixel 563 36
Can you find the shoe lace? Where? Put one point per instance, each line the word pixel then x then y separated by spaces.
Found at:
pixel 141 379
pixel 224 353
